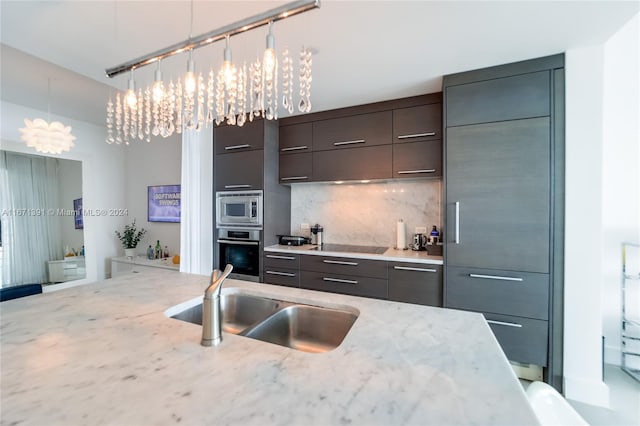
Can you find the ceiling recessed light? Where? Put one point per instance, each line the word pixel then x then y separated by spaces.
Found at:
pixel 339 182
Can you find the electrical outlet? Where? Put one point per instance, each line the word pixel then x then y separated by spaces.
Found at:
pixel 421 229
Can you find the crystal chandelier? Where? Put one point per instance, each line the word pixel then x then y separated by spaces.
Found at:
pixel 233 93
pixel 45 137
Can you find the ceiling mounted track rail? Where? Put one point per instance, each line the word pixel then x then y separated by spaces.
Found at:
pixel 276 14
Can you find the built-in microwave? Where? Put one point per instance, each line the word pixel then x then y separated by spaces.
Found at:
pixel 239 208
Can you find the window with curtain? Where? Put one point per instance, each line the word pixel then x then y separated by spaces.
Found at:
pixel 30 228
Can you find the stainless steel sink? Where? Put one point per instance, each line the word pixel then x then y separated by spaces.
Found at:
pixel 239 311
pixel 305 328
pixel 298 326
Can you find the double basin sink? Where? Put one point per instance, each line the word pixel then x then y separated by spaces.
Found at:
pixel 303 327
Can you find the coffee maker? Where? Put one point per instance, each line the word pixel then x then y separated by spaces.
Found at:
pixel 419 242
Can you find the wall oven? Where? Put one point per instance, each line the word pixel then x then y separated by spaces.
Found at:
pixel 239 209
pixel 241 248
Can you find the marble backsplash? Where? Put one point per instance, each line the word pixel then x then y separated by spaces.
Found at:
pixel 366 214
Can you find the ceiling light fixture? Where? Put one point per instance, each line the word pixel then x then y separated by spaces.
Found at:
pixel 233 94
pixel 45 137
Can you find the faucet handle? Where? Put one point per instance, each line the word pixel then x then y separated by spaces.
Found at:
pixel 225 274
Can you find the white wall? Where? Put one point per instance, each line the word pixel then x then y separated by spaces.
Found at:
pixel 620 171
pixel 69 189
pixel 602 198
pixel 583 226
pixel 150 164
pixel 103 175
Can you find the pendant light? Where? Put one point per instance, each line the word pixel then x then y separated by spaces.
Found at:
pixel 45 137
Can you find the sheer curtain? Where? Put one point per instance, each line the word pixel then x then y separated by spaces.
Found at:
pixel 30 227
pixel 196 216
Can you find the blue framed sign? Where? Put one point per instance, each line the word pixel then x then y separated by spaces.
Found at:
pixel 163 203
pixel 77 213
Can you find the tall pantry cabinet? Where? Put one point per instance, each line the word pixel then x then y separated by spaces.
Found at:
pixel 504 198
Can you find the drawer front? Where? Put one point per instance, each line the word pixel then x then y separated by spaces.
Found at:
pixel 234 139
pixel 239 171
pixel 417 159
pixel 509 98
pixel 296 138
pixel 281 260
pixel 281 276
pixel 523 294
pixel 522 339
pixel 415 283
pixel 345 284
pixel 355 131
pixel 344 266
pixel 372 162
pixel 417 123
pixel 296 168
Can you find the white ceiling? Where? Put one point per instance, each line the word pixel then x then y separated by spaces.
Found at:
pixel 367 51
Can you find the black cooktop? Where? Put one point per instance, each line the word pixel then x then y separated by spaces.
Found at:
pixel 345 248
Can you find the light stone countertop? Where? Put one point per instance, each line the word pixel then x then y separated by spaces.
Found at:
pixel 165 263
pixel 105 353
pixel 391 254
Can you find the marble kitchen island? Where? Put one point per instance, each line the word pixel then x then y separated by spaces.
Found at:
pixel 106 353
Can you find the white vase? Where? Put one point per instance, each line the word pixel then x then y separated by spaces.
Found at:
pixel 130 252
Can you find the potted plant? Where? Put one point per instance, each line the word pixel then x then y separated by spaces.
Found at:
pixel 130 238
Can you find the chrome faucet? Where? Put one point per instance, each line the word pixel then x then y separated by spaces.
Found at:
pixel 211 313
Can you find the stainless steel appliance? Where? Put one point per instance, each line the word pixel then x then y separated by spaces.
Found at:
pixel 240 248
pixel 419 242
pixel 292 240
pixel 239 209
pixel 316 234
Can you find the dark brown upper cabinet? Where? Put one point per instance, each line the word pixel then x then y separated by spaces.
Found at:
pixel 352 164
pixel 418 123
pixel 350 132
pixel 296 138
pixel 401 138
pixel 417 160
pixel 296 168
pixel 230 139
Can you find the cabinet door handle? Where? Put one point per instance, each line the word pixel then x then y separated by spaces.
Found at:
pixel 416 135
pixel 284 274
pixel 506 324
pixel 457 223
pixel 295 178
pixel 349 142
pixel 341 262
pixel 337 280
pixel 239 243
pixel 408 268
pixel 232 147
pixel 274 256
pixel 294 148
pixel 411 172
pixel 236 186
pixel 495 277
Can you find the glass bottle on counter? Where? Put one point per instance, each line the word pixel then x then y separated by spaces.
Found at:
pixel 150 252
pixel 158 252
pixel 165 254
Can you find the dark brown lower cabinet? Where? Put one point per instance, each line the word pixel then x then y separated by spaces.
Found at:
pixel 415 283
pixel 345 284
pixel 282 269
pixel 352 164
pixel 523 340
pixel 417 159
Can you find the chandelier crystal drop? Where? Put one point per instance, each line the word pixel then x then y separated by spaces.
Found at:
pixel 262 88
